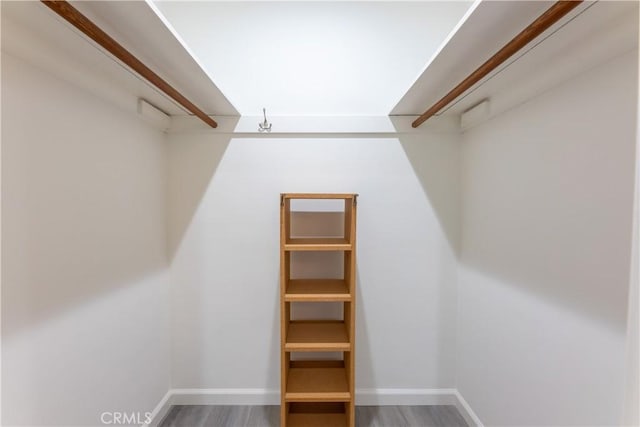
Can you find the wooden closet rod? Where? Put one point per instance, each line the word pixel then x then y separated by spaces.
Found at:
pixel 537 27
pixel 84 24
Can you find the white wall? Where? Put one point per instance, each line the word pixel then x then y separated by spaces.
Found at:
pixel 631 414
pixel 224 221
pixel 631 411
pixel 85 309
pixel 547 200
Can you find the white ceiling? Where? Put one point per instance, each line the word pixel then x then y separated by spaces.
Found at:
pixel 313 58
pixel 591 34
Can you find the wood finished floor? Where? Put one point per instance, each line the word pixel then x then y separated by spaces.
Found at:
pixel 269 416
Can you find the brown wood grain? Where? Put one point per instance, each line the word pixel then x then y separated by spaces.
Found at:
pixel 285 307
pixel 317 335
pixel 351 206
pixel 318 244
pixel 317 420
pixel 317 385
pixel 91 30
pixel 537 27
pixel 319 195
pixel 325 382
pixel 317 290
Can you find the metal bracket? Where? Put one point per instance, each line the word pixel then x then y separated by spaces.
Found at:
pixel 281 199
pixel 355 200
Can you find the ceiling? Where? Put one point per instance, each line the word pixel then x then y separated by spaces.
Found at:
pixel 313 58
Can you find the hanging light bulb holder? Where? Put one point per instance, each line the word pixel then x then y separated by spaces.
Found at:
pixel 264 126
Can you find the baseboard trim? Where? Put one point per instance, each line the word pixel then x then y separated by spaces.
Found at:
pixel 257 396
pixel 225 396
pixel 465 409
pixel 160 411
pixel 405 396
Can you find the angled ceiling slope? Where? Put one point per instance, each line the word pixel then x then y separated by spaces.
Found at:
pixel 31 31
pixel 589 35
pixel 140 27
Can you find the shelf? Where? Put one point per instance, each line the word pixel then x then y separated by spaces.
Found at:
pixel 317 336
pixel 317 384
pixel 317 420
pixel 317 290
pixel 317 244
pixel 318 196
pixel 317 393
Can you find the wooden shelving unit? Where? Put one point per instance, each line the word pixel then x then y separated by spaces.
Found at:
pixel 317 393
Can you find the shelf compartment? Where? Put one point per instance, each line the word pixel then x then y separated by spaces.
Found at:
pixel 318 244
pixel 311 335
pixel 317 420
pixel 317 381
pixel 317 290
pixel 313 414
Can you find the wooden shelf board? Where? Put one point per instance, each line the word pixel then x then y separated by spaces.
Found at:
pixel 319 195
pixel 317 290
pixel 316 364
pixel 317 244
pixel 317 385
pixel 317 336
pixel 317 420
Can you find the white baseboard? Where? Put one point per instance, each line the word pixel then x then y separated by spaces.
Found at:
pixel 225 396
pixel 465 410
pixel 405 396
pixel 160 411
pixel 257 396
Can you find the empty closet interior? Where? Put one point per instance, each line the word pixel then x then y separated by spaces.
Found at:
pixel 180 183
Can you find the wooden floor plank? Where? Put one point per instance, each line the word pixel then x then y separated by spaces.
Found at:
pixel 269 416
